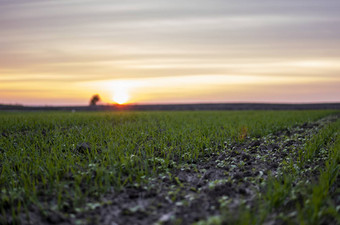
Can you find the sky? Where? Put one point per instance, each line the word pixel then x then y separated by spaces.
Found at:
pixel 150 52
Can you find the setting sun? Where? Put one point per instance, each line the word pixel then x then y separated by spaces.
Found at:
pixel 121 97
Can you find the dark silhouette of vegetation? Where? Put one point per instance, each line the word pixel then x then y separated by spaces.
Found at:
pixel 94 100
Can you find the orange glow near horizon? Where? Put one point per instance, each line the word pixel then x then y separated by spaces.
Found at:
pixel 205 88
pixel 238 87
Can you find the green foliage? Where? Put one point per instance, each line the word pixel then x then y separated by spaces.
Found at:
pixel 318 204
pixel 278 190
pixel 315 203
pixel 40 153
pixel 290 196
pixel 316 144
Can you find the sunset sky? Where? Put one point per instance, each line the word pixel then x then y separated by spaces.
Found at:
pixel 62 52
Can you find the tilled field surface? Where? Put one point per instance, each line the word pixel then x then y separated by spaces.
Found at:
pixel 227 182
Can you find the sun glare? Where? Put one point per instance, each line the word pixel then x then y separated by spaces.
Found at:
pixel 121 97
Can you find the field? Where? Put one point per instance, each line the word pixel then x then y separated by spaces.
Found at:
pixel 188 167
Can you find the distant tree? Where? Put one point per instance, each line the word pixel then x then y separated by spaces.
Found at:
pixel 94 100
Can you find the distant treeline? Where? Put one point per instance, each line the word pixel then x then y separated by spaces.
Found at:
pixel 220 106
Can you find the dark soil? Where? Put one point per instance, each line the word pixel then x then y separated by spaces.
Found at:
pixel 197 190
pixel 208 106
